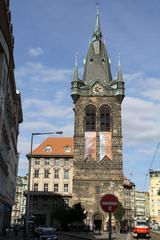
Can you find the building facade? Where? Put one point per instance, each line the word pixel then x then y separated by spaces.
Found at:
pixel 10 117
pixel 19 208
pixel 142 204
pixel 98 161
pixel 129 200
pixel 51 177
pixel 154 192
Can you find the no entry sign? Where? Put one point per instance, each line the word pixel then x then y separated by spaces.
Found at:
pixel 109 203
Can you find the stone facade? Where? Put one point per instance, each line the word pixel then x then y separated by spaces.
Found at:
pixel 95 175
pixel 10 117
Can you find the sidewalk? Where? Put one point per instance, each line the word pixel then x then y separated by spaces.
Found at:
pixel 94 235
pixel 12 236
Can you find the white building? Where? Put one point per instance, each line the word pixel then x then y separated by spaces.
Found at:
pixel 19 208
pixel 50 178
pixel 142 204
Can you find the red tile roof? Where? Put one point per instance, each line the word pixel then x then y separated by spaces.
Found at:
pixel 57 147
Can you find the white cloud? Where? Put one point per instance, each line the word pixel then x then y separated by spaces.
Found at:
pixel 40 73
pixel 36 108
pixel 140 120
pixel 35 52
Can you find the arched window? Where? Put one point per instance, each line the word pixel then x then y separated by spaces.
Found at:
pixel 90 119
pixel 104 115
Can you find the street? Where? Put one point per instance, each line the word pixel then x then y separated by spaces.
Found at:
pixel 82 236
pixel 127 236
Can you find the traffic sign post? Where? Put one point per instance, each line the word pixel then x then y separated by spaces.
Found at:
pixel 109 203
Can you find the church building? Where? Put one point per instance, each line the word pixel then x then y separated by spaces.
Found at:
pixel 98 158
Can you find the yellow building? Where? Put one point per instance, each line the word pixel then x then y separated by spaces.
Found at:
pixel 154 188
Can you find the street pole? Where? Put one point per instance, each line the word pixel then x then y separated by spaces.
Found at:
pixel 110 226
pixel 29 173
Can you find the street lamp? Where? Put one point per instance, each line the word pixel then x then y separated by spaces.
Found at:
pixel 29 170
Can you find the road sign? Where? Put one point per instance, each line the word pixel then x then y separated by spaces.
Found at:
pixel 109 203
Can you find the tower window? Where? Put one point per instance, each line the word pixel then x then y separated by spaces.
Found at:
pixel 104 115
pixel 90 119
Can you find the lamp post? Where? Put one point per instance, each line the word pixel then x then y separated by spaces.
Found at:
pixel 29 170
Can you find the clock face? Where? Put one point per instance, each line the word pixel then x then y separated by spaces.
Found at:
pixel 97 89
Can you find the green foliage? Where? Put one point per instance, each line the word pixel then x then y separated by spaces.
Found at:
pixel 78 213
pixel 158 192
pixel 70 215
pixel 119 213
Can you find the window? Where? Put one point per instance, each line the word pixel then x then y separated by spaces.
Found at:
pixel 57 162
pixel 66 202
pixel 45 187
pixel 65 187
pixel 56 187
pixel 56 173
pixel 104 115
pixel 46 173
pixel 90 118
pixel 48 149
pixel 36 173
pixel 66 162
pixel 37 162
pixel 97 189
pixel 46 161
pixel 67 149
pixel 35 186
pixel 66 173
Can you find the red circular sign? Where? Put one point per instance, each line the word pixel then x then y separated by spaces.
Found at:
pixel 109 203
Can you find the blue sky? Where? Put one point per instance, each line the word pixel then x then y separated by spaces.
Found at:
pixel 47 36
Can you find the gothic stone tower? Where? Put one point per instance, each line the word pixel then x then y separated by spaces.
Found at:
pixel 98 164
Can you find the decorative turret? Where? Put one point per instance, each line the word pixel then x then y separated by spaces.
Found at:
pixel 120 83
pixel 76 83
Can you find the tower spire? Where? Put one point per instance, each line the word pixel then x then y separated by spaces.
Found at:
pixel 97 35
pixel 75 74
pixel 119 74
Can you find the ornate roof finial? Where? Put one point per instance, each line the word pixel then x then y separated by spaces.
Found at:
pixel 97 35
pixel 119 59
pixel 76 58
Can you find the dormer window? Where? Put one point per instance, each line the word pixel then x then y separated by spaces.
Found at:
pixel 48 149
pixel 67 149
pixel 91 59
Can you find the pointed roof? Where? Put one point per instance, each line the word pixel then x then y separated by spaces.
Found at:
pixel 75 74
pixel 56 146
pixel 119 74
pixel 97 35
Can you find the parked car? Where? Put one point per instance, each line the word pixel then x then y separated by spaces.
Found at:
pixel 48 234
pixel 43 228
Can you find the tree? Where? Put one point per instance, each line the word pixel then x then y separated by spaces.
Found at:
pixel 78 212
pixel 119 213
pixel 70 215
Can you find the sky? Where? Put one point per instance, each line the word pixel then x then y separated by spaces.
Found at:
pixel 49 34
